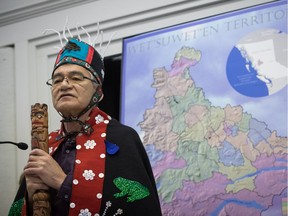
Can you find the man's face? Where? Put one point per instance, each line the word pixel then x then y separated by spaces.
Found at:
pixel 71 97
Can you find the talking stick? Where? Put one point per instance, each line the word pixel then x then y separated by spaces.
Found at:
pixel 39 139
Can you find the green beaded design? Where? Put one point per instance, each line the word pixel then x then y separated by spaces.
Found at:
pixel 133 189
pixel 16 208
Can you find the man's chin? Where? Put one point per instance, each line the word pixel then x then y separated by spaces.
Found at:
pixel 67 109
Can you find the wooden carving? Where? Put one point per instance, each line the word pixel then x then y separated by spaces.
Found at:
pixel 39 139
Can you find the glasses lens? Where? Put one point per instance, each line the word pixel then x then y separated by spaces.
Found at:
pixel 57 80
pixel 72 78
pixel 75 77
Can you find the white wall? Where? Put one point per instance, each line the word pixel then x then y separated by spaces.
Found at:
pixel 33 56
pixel 8 154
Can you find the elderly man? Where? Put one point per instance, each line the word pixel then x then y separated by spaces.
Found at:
pixel 96 165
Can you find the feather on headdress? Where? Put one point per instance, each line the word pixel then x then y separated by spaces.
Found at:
pixel 76 51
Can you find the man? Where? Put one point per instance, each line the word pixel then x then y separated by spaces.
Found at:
pixel 96 165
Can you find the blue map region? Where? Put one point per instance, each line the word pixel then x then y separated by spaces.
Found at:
pixel 243 81
pixel 230 156
pixel 153 154
pixel 258 131
pixel 234 130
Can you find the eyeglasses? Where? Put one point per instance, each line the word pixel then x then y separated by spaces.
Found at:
pixel 71 78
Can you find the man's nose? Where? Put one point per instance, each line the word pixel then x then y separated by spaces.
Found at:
pixel 65 83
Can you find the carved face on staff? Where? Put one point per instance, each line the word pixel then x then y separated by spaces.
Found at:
pixel 39 116
pixel 39 120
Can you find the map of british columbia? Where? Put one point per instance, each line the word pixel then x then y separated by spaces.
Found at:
pixel 216 158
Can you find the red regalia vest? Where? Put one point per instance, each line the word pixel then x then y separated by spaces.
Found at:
pixel 89 165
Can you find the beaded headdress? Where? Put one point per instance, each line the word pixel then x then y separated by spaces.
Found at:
pixel 76 51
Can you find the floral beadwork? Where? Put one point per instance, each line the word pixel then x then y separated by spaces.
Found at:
pixel 119 212
pixel 99 119
pixel 88 174
pixel 87 179
pixel 90 144
pixel 108 205
pixel 85 212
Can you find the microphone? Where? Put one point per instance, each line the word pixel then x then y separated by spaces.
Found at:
pixel 20 145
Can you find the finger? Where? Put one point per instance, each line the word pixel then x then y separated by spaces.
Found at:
pixel 37 152
pixel 33 178
pixel 31 165
pixel 32 158
pixel 34 186
pixel 31 171
pixel 39 155
pixel 34 168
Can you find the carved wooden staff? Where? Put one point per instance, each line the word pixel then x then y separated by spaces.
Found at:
pixel 39 134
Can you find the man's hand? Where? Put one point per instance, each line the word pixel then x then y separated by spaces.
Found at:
pixel 42 167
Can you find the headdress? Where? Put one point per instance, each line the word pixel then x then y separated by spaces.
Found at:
pixel 76 51
pixel 81 53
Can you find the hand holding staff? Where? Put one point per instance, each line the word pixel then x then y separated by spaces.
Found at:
pixel 39 139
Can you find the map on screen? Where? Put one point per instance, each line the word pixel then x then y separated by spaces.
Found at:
pixel 209 101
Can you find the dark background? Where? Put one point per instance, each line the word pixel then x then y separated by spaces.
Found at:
pixel 112 86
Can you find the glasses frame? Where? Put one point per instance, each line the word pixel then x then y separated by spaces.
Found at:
pixel 49 81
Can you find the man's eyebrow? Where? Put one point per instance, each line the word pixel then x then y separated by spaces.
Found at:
pixel 71 72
